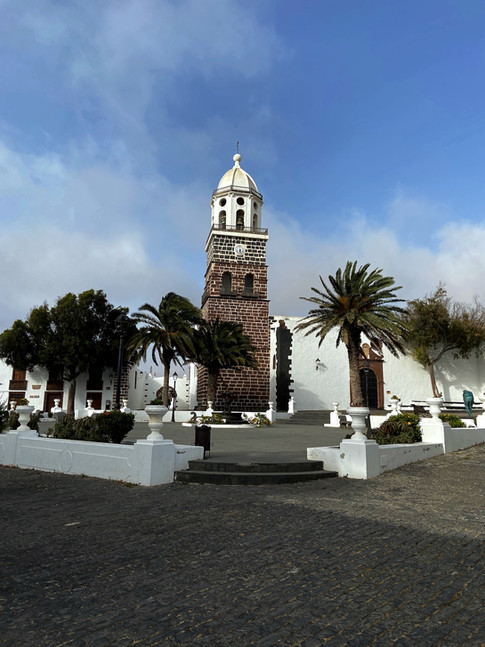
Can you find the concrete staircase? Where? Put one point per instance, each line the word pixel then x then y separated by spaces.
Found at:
pixel 317 417
pixel 306 418
pixel 223 473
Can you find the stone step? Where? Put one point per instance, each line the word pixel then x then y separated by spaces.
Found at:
pixel 253 478
pixel 316 418
pixel 307 418
pixel 252 473
pixel 289 466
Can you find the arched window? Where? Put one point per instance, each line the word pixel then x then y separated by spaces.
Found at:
pixel 240 219
pixel 248 284
pixel 222 219
pixel 226 283
pixel 255 221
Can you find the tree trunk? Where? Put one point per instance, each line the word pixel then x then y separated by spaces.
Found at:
pixel 436 393
pixel 353 352
pixel 212 380
pixel 71 396
pixel 166 377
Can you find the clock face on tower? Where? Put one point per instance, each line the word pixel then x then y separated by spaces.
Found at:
pixel 239 249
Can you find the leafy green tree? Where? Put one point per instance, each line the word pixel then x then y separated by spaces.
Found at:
pixel 439 326
pixel 357 302
pixel 78 333
pixel 166 332
pixel 219 345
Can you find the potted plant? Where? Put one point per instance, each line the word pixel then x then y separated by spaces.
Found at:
pixel 24 410
pixel 394 402
pixel 435 407
pixel 155 410
pixel 358 415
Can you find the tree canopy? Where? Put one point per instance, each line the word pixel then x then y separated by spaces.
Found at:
pixel 438 325
pixel 357 302
pixel 222 344
pixel 78 333
pixel 167 332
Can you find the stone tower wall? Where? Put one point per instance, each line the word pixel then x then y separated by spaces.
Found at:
pixel 249 386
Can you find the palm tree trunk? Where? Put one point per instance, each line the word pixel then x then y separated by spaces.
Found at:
pixel 353 353
pixel 212 380
pixel 166 377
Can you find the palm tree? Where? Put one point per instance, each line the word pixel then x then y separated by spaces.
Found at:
pixel 360 302
pixel 168 331
pixel 222 344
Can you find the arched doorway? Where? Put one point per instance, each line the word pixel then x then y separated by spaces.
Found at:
pixel 368 383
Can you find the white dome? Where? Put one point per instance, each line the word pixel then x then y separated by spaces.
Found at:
pixel 237 177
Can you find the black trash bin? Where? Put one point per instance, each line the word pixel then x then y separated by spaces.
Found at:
pixel 203 437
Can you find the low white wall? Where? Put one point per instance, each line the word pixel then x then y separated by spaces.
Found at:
pixel 452 438
pixel 363 459
pixel 392 456
pixel 147 462
pixel 186 453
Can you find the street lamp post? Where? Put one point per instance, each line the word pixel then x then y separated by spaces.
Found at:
pixel 121 322
pixel 174 398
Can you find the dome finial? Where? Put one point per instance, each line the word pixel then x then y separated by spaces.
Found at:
pixel 237 158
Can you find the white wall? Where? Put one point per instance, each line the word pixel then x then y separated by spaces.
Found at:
pixel 318 389
pixel 185 387
pixel 37 382
pixel 147 462
pixel 313 389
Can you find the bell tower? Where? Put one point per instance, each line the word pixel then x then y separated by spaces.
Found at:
pixel 236 284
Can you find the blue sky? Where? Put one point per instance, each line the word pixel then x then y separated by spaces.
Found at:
pixel 363 124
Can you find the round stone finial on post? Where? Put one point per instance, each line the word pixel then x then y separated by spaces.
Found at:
pixel 394 402
pixel 435 407
pixel 155 414
pixel 358 415
pixel 334 415
pixel 270 413
pixel 24 412
pixel 56 408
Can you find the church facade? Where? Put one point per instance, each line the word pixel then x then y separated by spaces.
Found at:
pixel 290 364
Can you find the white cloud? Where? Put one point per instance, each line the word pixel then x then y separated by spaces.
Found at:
pixel 297 258
pixel 78 227
pixel 416 218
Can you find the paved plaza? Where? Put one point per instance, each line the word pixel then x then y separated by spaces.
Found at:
pixel 396 560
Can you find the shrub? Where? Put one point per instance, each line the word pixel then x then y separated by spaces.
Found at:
pixel 115 424
pixel 4 415
pixel 65 428
pixel 111 426
pixel 259 420
pixel 452 419
pixel 13 420
pixel 34 421
pixel 214 419
pixel 82 429
pixel 403 428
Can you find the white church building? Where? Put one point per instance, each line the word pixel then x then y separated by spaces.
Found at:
pixel 291 365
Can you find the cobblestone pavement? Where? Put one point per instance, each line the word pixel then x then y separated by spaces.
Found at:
pixel 396 560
